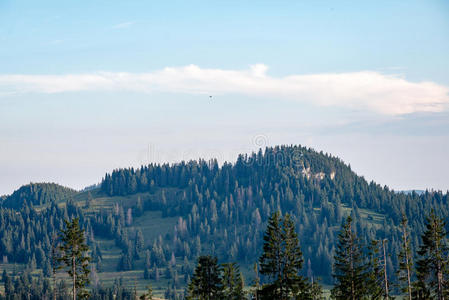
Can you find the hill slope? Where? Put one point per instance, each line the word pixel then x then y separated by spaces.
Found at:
pixel 154 221
pixel 37 194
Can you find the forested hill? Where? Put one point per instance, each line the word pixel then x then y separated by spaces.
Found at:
pixel 152 223
pixel 37 194
pixel 226 207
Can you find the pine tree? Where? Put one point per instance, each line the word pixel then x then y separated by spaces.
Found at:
pixel 375 272
pixel 271 259
pixel 405 260
pixel 4 275
pixel 385 281
pixel 54 261
pixel 232 282
pixel 349 269
pixel 88 200
pixel 9 287
pixel 432 265
pixel 292 260
pixel 73 251
pixel 281 260
pixel 139 207
pixel 139 243
pixel 206 282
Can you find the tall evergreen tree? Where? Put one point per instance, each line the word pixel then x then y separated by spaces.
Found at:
pixel 281 260
pixel 271 259
pixel 73 251
pixel 386 288
pixel 349 268
pixel 206 283
pixel 232 282
pixel 405 260
pixel 432 265
pixel 292 260
pixel 375 274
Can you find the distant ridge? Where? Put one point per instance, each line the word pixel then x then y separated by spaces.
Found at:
pixel 419 192
pixel 37 194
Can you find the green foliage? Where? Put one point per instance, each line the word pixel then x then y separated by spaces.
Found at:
pixel 232 281
pixel 433 262
pixel 350 271
pixel 316 292
pixel 73 254
pixel 206 281
pixel 193 207
pixel 404 272
pixel 235 201
pixel 37 194
pixel 375 280
pixel 24 287
pixel 281 260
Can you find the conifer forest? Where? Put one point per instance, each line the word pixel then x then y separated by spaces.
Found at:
pixel 286 222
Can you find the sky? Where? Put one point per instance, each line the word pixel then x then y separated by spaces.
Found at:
pixel 90 86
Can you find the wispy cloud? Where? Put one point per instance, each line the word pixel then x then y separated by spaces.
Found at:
pixel 124 25
pixel 365 90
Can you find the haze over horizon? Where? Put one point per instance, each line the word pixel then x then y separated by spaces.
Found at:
pixel 89 87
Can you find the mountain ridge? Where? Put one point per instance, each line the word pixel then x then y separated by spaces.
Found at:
pixel 152 222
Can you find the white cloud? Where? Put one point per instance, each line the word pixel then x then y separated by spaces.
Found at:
pixel 365 90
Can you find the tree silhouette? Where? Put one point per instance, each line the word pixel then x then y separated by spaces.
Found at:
pixel 73 254
pixel 206 282
pixel 349 268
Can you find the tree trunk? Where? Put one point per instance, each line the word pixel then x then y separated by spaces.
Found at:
pixel 54 281
pixel 407 264
pixel 385 270
pixel 74 277
pixel 439 271
pixel 53 264
pixel 351 251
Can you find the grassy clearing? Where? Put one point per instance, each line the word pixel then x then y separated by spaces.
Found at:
pixel 153 225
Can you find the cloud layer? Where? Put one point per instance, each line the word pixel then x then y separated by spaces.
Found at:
pixel 365 90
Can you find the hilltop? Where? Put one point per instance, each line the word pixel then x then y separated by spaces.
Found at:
pixel 149 224
pixel 37 194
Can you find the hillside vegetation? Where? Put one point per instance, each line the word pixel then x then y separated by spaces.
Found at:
pixel 151 223
pixel 37 194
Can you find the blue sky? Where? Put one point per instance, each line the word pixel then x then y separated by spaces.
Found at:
pixel 88 86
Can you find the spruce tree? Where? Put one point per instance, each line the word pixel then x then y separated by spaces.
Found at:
pixel 292 261
pixel 349 268
pixel 232 282
pixel 375 272
pixel 73 254
pixel 271 259
pixel 405 260
pixel 4 275
pixel 281 260
pixel 206 283
pixel 432 265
